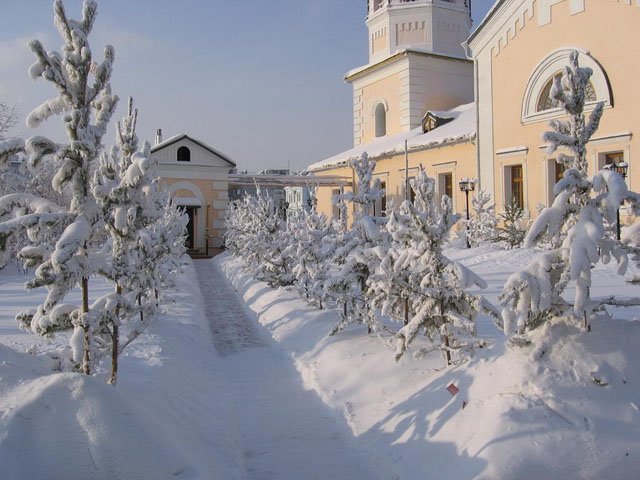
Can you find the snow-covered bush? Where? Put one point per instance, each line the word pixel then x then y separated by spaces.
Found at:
pixel 482 226
pixel 575 220
pixel 415 275
pixel 355 253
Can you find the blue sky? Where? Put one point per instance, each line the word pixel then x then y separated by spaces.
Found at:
pixel 260 80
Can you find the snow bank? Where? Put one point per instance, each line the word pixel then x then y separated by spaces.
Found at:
pixel 170 416
pixel 569 412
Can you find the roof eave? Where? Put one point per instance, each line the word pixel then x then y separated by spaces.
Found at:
pixel 485 21
pixel 170 142
pixel 395 57
pixel 467 138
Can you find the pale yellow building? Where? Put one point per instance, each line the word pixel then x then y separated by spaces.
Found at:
pixel 197 176
pixel 416 88
pixel 516 51
pixel 519 47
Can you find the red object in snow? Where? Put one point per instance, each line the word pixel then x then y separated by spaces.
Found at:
pixel 452 389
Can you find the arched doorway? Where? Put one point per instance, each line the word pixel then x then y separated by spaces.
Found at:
pixel 190 198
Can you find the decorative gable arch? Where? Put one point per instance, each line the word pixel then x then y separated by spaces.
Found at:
pixel 197 200
pixel 553 64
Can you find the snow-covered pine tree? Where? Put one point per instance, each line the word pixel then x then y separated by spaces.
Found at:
pixel 125 188
pixel 575 220
pixel 85 100
pixel 256 232
pixel 356 255
pixel 17 175
pixel 274 245
pixel 482 226
pixel 241 229
pixel 416 270
pixel 313 249
pixel 512 231
pixel 389 287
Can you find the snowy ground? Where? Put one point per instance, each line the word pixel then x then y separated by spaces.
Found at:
pixel 170 416
pixel 209 393
pixel 286 431
pixel 523 418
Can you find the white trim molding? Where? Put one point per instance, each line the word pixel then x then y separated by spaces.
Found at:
pixel 512 151
pixel 377 102
pixel 552 65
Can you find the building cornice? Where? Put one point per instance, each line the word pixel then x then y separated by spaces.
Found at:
pixel 357 73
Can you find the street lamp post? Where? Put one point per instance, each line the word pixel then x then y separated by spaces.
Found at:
pixel 466 186
pixel 621 169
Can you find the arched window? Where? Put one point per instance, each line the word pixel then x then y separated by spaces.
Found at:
pixel 381 120
pixel 537 106
pixel 545 102
pixel 184 154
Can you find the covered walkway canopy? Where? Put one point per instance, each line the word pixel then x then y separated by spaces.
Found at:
pixel 246 179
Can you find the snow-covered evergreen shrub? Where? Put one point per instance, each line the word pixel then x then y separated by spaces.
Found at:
pixel 482 226
pixel 512 230
pixel 355 254
pixel 575 220
pixel 414 273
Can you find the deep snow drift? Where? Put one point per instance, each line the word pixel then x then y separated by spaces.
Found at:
pixel 170 416
pixel 566 407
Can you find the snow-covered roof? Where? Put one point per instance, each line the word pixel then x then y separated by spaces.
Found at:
pixel 399 53
pixel 461 128
pixel 181 136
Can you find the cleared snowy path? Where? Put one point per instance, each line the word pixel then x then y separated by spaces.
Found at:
pixel 286 431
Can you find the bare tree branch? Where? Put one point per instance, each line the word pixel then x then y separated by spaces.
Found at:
pixel 8 118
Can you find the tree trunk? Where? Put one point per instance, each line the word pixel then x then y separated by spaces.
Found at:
pixel 447 353
pixel 406 311
pixel 86 357
pixel 115 342
pixel 115 338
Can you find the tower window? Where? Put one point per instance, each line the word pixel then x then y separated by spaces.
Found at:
pixel 184 154
pixel 381 120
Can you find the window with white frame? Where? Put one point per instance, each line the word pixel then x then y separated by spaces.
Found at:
pixel 555 173
pixel 514 185
pixel 381 120
pixel 380 205
pixel 445 185
pixel 335 211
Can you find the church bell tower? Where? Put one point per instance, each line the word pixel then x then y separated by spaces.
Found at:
pixel 416 63
pixel 434 26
